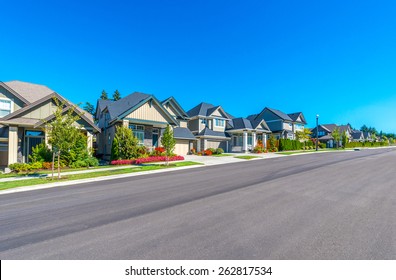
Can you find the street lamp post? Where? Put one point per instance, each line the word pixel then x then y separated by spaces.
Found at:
pixel 317 132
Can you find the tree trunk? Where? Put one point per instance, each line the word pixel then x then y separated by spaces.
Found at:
pixel 53 164
pixel 59 176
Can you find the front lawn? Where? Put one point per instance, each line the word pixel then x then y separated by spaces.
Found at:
pixel 246 157
pixel 222 155
pixel 130 169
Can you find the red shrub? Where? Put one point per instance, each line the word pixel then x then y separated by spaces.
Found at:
pixel 208 152
pixel 122 161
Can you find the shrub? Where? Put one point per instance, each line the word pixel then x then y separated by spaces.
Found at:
pixel 47 165
pixel 193 151
pixel 36 165
pixel 20 167
pixel 78 164
pixel 219 151
pixel 322 145
pixel 207 152
pixel 158 158
pixel 41 153
pixel 92 161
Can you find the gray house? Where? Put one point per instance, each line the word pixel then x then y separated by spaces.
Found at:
pixel 208 124
pixel 283 126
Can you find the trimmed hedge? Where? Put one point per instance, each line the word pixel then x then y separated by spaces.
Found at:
pixel 366 144
pixel 289 145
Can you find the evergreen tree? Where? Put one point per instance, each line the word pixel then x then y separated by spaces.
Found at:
pixel 124 144
pixel 104 95
pixel 168 142
pixel 116 95
pixel 89 108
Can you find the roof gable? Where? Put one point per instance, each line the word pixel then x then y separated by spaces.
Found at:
pixel 172 105
pixel 29 92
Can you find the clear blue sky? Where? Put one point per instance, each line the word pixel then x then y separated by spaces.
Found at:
pixel 332 58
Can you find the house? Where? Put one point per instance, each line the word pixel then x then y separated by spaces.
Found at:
pixel 283 126
pixel 245 133
pixel 325 132
pixel 215 128
pixel 357 136
pixel 24 110
pixel 147 117
pixel 208 124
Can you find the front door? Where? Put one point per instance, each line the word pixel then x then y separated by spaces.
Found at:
pixel 32 139
pixel 155 137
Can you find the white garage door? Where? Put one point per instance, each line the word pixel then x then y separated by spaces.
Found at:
pixel 216 144
pixel 182 147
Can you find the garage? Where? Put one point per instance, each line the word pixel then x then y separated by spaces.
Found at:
pixel 182 147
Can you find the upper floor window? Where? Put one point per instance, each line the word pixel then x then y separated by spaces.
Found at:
pixel 321 133
pixel 203 121
pixel 219 122
pixel 5 107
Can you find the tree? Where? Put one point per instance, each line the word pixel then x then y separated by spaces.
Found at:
pixel 304 135
pixel 116 95
pixel 344 139
pixel 364 128
pixel 104 95
pixel 89 108
pixel 337 136
pixel 62 131
pixel 124 144
pixel 168 142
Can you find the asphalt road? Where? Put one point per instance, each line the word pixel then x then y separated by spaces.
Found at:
pixel 319 206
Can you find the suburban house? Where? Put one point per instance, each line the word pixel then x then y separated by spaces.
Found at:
pixel 24 110
pixel 282 126
pixel 147 117
pixel 215 128
pixel 357 136
pixel 325 133
pixel 245 133
pixel 208 124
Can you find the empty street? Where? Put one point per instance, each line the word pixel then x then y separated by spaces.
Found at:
pixel 338 205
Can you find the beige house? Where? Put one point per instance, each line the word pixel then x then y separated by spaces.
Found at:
pixel 24 108
pixel 147 117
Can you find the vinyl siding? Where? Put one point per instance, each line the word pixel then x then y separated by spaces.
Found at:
pixel 147 112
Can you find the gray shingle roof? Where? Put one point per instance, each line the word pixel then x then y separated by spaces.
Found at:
pixel 31 92
pixel 294 117
pixel 280 114
pixel 176 104
pixel 357 134
pixel 183 133
pixel 241 123
pixel 200 110
pixel 120 106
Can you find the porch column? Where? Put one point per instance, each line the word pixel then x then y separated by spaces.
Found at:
pixel 265 140
pixel 245 142
pixel 253 139
pixel 205 144
pixel 12 144
pixel 89 142
pixel 198 145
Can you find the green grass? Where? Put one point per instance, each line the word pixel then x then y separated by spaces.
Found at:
pixel 9 175
pixel 222 155
pixel 246 157
pixel 126 170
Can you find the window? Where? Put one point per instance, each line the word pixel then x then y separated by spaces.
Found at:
pixel 219 122
pixel 250 140
pixel 138 132
pixel 5 107
pixel 203 121
pixel 321 133
pixel 36 133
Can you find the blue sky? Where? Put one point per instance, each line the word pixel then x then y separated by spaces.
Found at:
pixel 332 58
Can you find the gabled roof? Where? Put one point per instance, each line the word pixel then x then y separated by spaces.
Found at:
pixel 14 117
pixel 295 116
pixel 244 123
pixel 173 102
pixel 183 133
pixel 252 117
pixel 122 105
pixel 329 127
pixel 280 114
pixel 357 134
pixel 28 91
pixel 101 104
pixel 205 110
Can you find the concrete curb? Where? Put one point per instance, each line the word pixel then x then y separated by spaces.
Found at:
pixel 90 180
